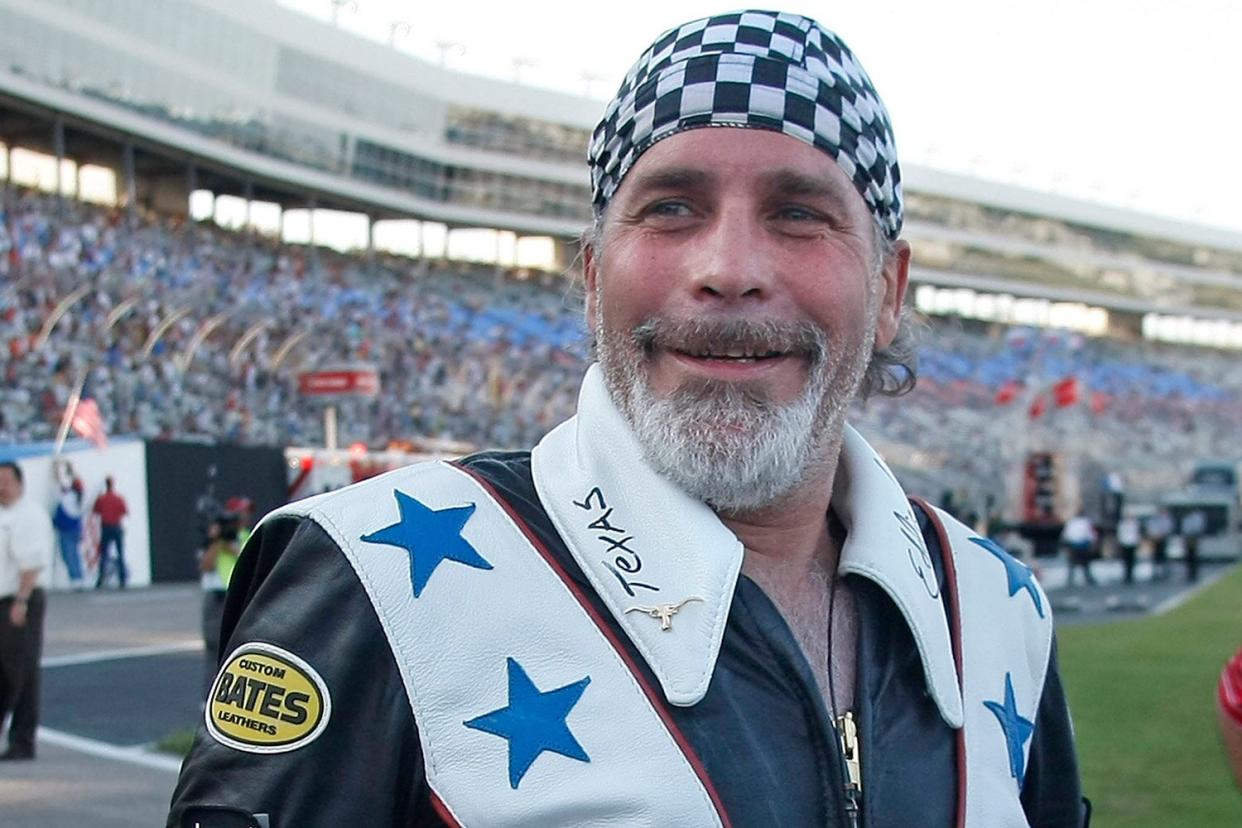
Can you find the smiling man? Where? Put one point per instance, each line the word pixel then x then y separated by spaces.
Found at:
pixel 704 600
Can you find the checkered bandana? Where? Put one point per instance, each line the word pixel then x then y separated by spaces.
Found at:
pixel 758 69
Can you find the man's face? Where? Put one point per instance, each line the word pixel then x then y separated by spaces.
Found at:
pixel 10 486
pixel 736 299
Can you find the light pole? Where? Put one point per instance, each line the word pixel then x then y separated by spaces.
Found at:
pixel 336 9
pixel 520 63
pixel 398 28
pixel 447 46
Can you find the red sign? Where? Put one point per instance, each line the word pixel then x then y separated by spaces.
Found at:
pixel 348 382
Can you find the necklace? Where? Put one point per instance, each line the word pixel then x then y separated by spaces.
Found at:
pixel 837 531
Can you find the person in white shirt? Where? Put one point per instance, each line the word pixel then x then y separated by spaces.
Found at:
pixel 1079 537
pixel 25 559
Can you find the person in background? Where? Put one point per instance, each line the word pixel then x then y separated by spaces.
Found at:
pixel 1079 538
pixel 1158 529
pixel 111 509
pixel 67 521
pixel 226 535
pixel 25 559
pixel 1128 538
pixel 1229 710
pixel 1192 529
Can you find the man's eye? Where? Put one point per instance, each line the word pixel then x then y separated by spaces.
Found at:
pixel 799 214
pixel 669 209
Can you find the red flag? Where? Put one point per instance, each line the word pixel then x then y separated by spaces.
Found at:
pixel 88 422
pixel 1065 392
pixel 1038 407
pixel 1008 392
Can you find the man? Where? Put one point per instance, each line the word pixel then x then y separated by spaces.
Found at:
pixel 1129 535
pixel 111 509
pixel 25 558
pixel 1193 528
pixel 1159 527
pixel 1080 541
pixel 702 601
pixel 226 535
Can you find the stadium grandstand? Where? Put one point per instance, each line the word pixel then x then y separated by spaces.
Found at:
pixel 171 171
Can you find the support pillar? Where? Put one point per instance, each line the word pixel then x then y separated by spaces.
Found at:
pixel 329 428
pixel 370 244
pixel 248 195
pixel 130 183
pixel 58 149
pixel 498 272
pixel 314 246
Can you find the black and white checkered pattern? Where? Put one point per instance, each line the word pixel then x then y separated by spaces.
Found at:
pixel 769 70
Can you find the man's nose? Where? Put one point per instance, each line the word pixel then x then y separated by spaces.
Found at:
pixel 728 263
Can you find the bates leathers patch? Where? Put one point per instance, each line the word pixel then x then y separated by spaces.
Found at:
pixel 267 700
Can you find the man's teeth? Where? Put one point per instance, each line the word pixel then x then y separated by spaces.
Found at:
pixel 734 353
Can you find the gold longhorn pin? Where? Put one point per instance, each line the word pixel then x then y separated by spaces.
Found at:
pixel 664 612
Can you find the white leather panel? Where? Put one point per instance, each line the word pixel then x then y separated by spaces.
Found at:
pixel 452 644
pixel 1001 635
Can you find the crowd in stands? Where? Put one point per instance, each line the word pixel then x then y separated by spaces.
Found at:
pixel 468 355
pixel 460 357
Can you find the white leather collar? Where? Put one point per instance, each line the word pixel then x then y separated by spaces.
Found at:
pixel 642 542
pixel 885 545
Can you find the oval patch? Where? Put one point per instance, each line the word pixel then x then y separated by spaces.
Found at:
pixel 267 700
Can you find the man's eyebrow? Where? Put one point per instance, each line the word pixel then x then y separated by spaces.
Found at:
pixel 671 178
pixel 796 183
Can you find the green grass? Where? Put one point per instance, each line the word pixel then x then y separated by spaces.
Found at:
pixel 178 742
pixel 1142 696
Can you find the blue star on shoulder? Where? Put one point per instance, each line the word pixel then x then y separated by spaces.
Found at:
pixel 429 536
pixel 1017 730
pixel 1019 575
pixel 533 721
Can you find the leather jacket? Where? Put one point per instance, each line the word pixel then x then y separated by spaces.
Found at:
pixel 762 732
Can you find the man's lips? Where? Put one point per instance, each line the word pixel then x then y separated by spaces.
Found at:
pixel 732 366
pixel 731 354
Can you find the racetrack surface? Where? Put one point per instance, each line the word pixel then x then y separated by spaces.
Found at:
pixel 121 670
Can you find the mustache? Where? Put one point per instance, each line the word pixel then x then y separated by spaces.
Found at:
pixel 763 336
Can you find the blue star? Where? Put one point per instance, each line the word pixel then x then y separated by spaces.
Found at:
pixel 533 722
pixel 1017 729
pixel 429 536
pixel 1020 575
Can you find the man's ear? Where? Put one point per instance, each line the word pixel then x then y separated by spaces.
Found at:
pixel 590 276
pixel 895 276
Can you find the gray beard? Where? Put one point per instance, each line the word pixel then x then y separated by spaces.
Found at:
pixel 720 442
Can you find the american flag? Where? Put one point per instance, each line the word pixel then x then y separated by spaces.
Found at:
pixel 88 422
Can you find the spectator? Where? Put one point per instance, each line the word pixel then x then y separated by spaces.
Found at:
pixel 1159 528
pixel 226 535
pixel 1194 527
pixel 1128 538
pixel 67 520
pixel 111 509
pixel 1079 539
pixel 25 558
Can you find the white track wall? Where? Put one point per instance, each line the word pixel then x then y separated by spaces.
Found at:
pixel 126 463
